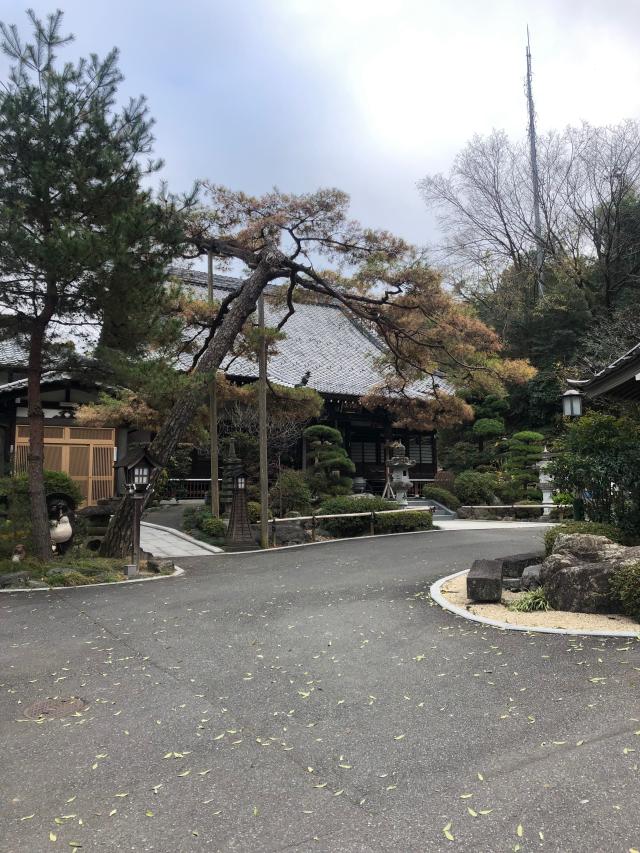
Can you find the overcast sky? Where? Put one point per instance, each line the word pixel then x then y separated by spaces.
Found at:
pixel 365 95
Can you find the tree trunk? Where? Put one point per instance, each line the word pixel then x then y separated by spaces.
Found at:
pixel 40 529
pixel 119 536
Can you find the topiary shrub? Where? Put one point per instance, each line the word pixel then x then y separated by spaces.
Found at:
pixel 290 493
pixel 351 526
pixel 329 467
pixel 473 488
pixel 595 528
pixel 625 584
pixel 443 496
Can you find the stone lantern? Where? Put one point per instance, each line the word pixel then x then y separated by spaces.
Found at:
pixel 398 482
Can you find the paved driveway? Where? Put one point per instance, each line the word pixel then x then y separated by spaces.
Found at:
pixel 313 699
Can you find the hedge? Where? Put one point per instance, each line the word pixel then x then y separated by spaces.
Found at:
pixel 443 496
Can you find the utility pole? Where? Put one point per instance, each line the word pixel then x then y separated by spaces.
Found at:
pixel 533 154
pixel 213 412
pixel 262 428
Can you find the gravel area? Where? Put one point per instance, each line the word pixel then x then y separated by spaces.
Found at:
pixel 455 591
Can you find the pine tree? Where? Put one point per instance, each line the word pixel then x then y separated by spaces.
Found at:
pixel 77 231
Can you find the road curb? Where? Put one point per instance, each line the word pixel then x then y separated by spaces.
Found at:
pixel 439 598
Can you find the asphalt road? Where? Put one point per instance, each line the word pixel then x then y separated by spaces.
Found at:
pixel 313 700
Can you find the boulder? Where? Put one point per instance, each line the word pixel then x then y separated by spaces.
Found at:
pixel 587 548
pixel 484 580
pixel 14 579
pixel 576 576
pixel 291 533
pixel 531 577
pixel 582 588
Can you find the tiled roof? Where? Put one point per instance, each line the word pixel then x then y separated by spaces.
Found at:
pixel 338 353
pixel 12 354
pixel 618 366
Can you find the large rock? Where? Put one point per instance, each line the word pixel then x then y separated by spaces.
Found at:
pixel 14 579
pixel 576 576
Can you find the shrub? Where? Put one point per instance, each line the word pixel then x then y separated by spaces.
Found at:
pixel 212 526
pixel 404 522
pixel 69 579
pixel 531 601
pixel 290 493
pixel 625 585
pixel 527 509
pixel 443 496
pixel 593 527
pixel 351 526
pixel 472 487
pixel 200 521
pixel 254 509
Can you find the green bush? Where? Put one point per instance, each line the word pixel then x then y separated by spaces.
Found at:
pixel 531 601
pixel 290 493
pixel 351 526
pixel 55 482
pixel 404 522
pixel 595 528
pixel 443 496
pixel 211 526
pixel 202 524
pixel 473 488
pixel 329 468
pixel 69 579
pixel 254 509
pixel 625 584
pixel 527 510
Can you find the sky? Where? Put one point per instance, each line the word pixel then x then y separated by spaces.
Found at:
pixel 363 95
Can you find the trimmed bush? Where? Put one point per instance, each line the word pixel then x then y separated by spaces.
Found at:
pixel 290 493
pixel 351 526
pixel 211 526
pixel 527 510
pixel 473 488
pixel 595 528
pixel 625 584
pixel 443 496
pixel 404 522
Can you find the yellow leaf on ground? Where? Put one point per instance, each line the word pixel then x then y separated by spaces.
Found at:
pixel 519 831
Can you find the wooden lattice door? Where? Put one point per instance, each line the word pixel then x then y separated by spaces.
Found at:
pixel 86 454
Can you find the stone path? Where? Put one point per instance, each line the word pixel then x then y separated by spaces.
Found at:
pixel 167 542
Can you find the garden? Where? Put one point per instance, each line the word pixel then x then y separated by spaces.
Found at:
pixel 74 564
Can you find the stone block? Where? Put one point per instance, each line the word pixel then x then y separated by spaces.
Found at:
pixel 484 581
pixel 514 565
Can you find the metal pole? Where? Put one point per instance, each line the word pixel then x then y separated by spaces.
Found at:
pixel 262 418
pixel 213 413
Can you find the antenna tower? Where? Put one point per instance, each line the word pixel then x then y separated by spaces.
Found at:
pixel 533 155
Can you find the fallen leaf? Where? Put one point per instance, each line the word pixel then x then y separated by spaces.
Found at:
pixel 519 831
